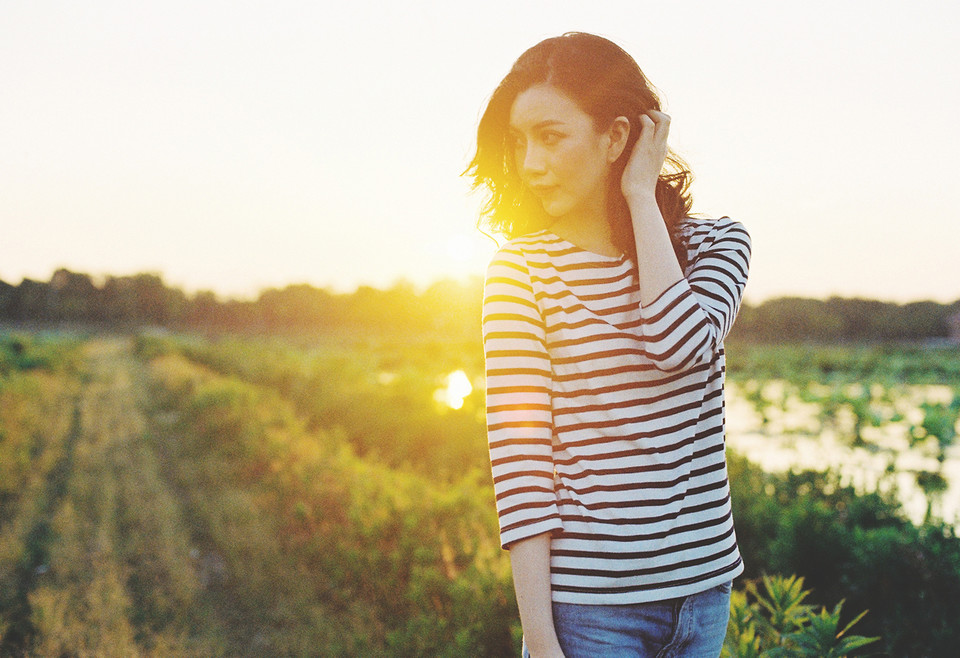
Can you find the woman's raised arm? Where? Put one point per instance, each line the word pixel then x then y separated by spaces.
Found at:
pixel 684 318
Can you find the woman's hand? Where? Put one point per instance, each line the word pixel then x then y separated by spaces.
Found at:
pixel 658 268
pixel 646 161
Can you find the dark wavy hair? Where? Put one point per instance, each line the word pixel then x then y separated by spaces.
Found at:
pixel 606 83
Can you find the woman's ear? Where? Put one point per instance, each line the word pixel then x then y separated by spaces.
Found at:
pixel 619 133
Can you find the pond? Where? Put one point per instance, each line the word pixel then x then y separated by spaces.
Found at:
pixel 878 439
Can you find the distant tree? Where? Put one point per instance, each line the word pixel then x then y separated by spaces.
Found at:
pixel 919 320
pixel 8 295
pixel 860 318
pixel 382 310
pixel 241 316
pixel 790 319
pixel 447 306
pixel 72 296
pixel 175 303
pixel 29 302
pixel 297 306
pixel 150 297
pixel 204 310
pixel 119 300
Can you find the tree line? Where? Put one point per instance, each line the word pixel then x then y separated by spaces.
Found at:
pixel 447 307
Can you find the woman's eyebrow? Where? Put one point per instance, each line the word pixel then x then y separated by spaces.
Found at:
pixel 548 122
pixel 538 126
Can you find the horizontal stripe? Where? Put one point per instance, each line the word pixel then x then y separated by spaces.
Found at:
pixel 650 519
pixel 659 568
pixel 606 416
pixel 643 555
pixel 609 538
pixel 733 569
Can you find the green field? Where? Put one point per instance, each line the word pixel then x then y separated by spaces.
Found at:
pixel 169 494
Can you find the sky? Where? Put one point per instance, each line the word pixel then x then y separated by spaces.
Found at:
pixel 236 146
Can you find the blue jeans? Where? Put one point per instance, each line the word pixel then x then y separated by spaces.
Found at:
pixel 691 627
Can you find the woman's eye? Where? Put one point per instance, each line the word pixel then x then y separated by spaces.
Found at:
pixel 551 138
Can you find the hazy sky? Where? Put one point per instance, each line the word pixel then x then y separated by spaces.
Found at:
pixel 239 145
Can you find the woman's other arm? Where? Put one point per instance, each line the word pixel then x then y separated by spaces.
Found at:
pixel 530 560
pixel 520 435
pixel 519 412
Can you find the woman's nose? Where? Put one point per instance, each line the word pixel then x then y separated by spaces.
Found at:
pixel 534 161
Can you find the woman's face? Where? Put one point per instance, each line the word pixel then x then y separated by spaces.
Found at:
pixel 559 154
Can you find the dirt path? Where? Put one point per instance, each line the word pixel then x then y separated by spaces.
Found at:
pixel 146 535
pixel 108 565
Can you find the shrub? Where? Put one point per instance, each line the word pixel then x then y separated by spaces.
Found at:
pixel 776 622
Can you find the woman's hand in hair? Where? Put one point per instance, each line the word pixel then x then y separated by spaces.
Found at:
pixel 643 168
pixel 658 268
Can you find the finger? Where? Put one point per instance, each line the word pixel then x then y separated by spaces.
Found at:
pixel 647 126
pixel 662 122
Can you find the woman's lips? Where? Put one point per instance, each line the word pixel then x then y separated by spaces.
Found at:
pixel 541 190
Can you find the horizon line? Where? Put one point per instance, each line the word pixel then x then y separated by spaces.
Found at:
pixel 99 279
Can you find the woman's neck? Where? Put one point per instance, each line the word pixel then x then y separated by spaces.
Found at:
pixel 590 232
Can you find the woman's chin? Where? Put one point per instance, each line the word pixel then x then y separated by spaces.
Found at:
pixel 555 209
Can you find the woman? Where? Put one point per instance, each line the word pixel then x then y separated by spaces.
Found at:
pixel 603 323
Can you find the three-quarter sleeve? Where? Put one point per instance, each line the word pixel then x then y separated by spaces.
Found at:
pixel 687 323
pixel 519 416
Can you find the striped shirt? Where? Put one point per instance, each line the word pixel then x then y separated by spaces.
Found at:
pixel 605 418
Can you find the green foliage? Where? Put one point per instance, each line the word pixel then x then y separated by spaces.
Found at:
pixel 857 547
pixel 803 523
pixel 408 565
pixel 844 364
pixel 379 396
pixel 37 421
pixel 50 352
pixel 939 423
pixel 330 499
pixel 821 637
pixel 774 621
pixel 797 523
pixel 35 373
pixel 784 611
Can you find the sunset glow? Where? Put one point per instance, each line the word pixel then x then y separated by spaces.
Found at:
pixel 243 147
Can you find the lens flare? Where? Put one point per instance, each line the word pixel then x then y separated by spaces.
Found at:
pixel 455 389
